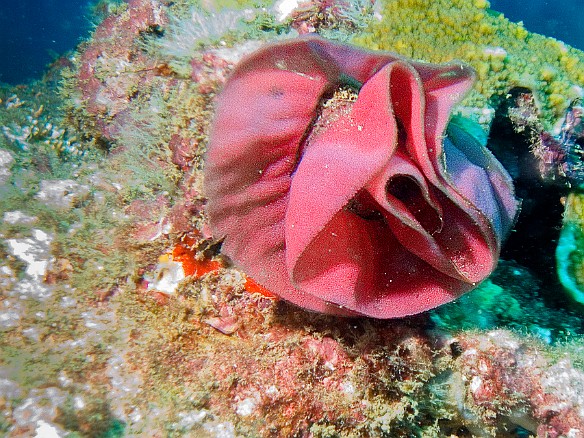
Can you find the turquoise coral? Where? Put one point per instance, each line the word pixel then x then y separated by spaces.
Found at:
pixel 570 249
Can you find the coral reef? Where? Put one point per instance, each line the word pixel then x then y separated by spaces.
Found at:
pixel 504 54
pixel 504 377
pixel 338 19
pixel 120 316
pixel 113 69
pixel 559 156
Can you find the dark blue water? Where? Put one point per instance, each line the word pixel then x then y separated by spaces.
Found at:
pixel 561 19
pixel 34 32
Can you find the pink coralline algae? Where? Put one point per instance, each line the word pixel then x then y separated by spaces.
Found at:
pixel 312 15
pixel 504 375
pixel 558 156
pixel 353 206
pixel 209 70
pixel 114 48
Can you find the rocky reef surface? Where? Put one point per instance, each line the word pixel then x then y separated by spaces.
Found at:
pixel 119 316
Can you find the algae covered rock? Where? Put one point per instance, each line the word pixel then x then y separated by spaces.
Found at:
pixel 118 347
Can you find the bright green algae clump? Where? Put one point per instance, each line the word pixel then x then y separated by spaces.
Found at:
pixel 570 250
pixel 504 54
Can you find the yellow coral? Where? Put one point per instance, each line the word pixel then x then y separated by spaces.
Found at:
pixel 557 100
pixel 443 30
pixel 520 32
pixel 547 73
pixel 574 212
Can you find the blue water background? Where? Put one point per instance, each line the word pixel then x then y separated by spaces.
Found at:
pixel 35 32
pixel 561 19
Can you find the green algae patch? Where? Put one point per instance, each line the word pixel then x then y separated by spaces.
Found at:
pixel 570 249
pixel 504 54
pixel 511 299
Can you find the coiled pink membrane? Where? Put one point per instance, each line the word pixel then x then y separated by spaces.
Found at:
pixel 371 209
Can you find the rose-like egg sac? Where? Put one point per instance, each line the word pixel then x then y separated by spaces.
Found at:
pixel 372 205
